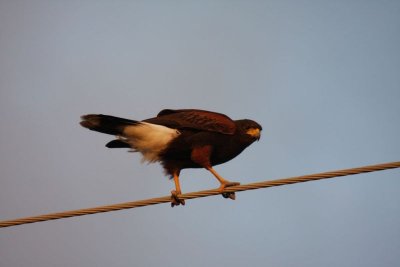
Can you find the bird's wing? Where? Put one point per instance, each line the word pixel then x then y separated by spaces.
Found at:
pixel 195 119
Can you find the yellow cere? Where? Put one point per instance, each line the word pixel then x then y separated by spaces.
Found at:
pixel 255 132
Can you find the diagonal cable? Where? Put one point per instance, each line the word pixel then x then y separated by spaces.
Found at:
pixel 199 194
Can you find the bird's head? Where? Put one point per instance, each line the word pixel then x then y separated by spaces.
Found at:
pixel 249 129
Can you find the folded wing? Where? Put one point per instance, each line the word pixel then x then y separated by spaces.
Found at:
pixel 195 119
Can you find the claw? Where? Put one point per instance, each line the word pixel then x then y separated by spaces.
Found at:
pixel 175 200
pixel 230 195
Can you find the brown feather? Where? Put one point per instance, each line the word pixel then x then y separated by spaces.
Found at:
pixel 195 119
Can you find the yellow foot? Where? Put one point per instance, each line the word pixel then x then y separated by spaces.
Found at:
pixel 230 195
pixel 175 200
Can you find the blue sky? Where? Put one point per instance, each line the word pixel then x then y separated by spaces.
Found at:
pixel 321 77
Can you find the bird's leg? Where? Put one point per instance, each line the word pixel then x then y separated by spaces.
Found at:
pixel 201 155
pixel 224 184
pixel 175 200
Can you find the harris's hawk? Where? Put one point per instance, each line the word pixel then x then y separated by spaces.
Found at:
pixel 179 139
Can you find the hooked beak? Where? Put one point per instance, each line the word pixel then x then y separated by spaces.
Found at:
pixel 255 133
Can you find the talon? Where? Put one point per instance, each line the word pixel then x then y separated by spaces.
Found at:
pixel 175 200
pixel 230 195
pixel 227 184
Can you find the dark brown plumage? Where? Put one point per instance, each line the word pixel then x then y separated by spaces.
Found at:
pixel 179 139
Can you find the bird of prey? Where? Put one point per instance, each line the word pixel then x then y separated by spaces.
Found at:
pixel 180 139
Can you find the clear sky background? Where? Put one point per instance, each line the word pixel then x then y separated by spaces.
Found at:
pixel 321 77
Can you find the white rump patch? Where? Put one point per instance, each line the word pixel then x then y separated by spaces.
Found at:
pixel 148 139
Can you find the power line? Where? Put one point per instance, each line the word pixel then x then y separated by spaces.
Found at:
pixel 205 193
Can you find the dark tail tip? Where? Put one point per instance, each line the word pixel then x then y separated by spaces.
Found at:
pixel 90 121
pixel 105 123
pixel 102 123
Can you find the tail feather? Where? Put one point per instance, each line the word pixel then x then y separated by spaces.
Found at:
pixel 147 138
pixel 106 124
pixel 118 144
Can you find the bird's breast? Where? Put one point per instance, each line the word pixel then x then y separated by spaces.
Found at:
pixel 223 148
